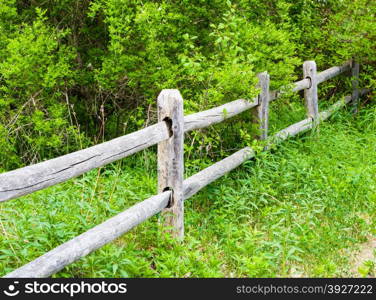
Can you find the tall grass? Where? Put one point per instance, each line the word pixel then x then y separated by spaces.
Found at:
pixel 298 211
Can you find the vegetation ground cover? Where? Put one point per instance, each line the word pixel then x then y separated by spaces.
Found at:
pixel 301 210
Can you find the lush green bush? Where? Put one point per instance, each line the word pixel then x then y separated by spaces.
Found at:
pixel 77 72
pixel 36 71
pixel 73 71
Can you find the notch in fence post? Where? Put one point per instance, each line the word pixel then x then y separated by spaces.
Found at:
pixel 261 112
pixel 171 160
pixel 355 85
pixel 310 94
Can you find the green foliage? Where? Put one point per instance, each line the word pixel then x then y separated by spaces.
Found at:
pixel 214 58
pixel 300 211
pixel 99 65
pixel 211 58
pixel 368 269
pixel 36 71
pixel 76 72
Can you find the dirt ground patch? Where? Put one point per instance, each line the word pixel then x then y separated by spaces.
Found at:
pixel 365 254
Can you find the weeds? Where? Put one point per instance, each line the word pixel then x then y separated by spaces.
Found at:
pixel 286 213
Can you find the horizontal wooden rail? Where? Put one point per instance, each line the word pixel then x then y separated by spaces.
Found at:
pixel 29 179
pixel 32 178
pixel 296 87
pixel 333 71
pixel 218 114
pixel 201 179
pixel 65 254
pixel 305 83
pixel 85 243
pixel 308 123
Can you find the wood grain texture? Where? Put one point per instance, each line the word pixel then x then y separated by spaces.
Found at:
pixel 29 179
pixel 305 83
pixel 32 178
pixel 333 71
pixel 218 114
pixel 294 87
pixel 67 253
pixel 307 124
pixel 292 130
pixel 201 179
pixel 198 181
pixel 301 85
pixel 82 245
pixel 310 94
pixel 171 160
pixel 261 111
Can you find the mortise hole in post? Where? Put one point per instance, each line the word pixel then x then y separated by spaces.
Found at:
pixel 170 202
pixel 169 126
pixel 310 81
pixel 259 99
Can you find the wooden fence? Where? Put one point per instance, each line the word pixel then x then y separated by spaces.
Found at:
pixel 168 133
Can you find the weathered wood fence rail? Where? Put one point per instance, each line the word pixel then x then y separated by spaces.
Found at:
pixel 168 133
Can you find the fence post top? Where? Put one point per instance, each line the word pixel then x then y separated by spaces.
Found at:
pixel 310 62
pixel 309 66
pixel 263 75
pixel 170 94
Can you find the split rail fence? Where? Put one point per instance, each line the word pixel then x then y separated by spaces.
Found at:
pixel 168 133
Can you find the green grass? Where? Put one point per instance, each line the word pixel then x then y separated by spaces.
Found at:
pixel 298 211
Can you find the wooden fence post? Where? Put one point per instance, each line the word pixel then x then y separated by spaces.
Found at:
pixel 310 94
pixel 355 85
pixel 171 160
pixel 261 112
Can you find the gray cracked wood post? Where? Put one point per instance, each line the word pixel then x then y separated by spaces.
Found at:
pixel 355 84
pixel 261 112
pixel 171 160
pixel 310 94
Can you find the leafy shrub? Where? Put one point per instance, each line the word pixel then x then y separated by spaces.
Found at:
pixel 96 67
pixel 36 70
